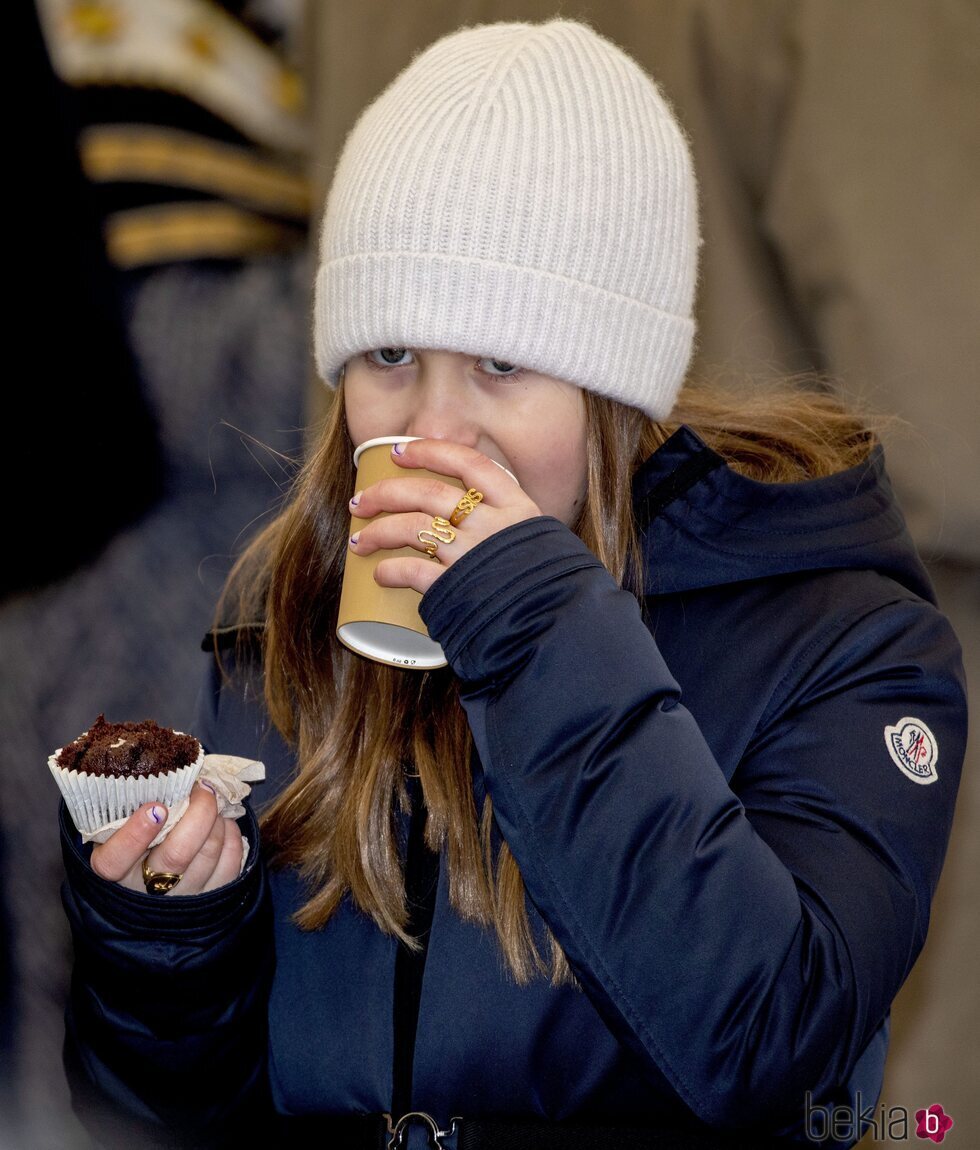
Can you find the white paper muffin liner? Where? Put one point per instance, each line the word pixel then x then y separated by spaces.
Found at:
pixel 96 801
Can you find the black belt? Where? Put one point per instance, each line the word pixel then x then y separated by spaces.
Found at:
pixel 381 1132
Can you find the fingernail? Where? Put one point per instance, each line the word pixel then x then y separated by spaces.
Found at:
pixel 207 786
pixel 156 815
pixel 357 499
pixel 399 449
pixel 353 539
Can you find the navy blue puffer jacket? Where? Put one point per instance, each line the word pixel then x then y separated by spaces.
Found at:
pixel 730 804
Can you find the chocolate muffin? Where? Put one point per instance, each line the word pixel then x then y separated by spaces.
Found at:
pixel 114 768
pixel 125 750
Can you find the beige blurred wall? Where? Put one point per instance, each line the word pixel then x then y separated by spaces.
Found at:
pixel 837 146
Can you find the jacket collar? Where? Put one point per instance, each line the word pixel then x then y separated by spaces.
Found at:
pixel 703 524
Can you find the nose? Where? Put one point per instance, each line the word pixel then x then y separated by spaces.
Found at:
pixel 442 403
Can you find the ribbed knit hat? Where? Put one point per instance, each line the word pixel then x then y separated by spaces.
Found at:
pixel 520 191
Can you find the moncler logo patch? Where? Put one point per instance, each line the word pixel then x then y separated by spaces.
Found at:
pixel 913 749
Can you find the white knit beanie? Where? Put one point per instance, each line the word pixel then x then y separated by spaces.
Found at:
pixel 520 191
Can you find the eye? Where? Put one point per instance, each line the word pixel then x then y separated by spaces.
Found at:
pixel 389 356
pixel 499 367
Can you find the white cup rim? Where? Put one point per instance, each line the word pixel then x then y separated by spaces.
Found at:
pixel 393 439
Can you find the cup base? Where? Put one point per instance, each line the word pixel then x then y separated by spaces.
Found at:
pixel 391 644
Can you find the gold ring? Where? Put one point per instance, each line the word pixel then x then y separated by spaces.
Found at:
pixel 440 532
pixel 465 506
pixel 158 881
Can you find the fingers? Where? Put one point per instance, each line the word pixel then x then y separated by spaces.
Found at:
pixel 178 850
pixel 391 531
pixel 219 860
pixel 419 573
pixel 201 867
pixel 204 848
pixel 431 496
pixel 115 859
pixel 472 467
pixel 230 862
pixel 194 847
pixel 400 507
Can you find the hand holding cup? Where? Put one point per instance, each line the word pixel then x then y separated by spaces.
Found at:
pixel 412 504
pixel 421 504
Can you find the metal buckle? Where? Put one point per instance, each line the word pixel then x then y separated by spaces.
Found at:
pixel 397 1132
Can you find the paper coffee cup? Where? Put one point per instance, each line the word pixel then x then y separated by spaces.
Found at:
pixel 383 623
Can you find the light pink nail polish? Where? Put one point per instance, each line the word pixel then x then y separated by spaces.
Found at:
pixel 156 815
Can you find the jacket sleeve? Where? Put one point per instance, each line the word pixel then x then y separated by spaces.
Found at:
pixel 746 937
pixel 166 1022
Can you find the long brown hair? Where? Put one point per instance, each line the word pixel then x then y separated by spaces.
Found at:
pixel 357 725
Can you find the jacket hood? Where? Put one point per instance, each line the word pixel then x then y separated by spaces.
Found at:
pixel 703 524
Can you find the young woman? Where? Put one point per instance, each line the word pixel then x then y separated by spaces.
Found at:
pixel 656 849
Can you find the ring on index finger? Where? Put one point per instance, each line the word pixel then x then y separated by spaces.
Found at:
pixel 440 532
pixel 465 506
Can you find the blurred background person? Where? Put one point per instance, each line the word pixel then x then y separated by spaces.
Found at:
pixel 165 302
